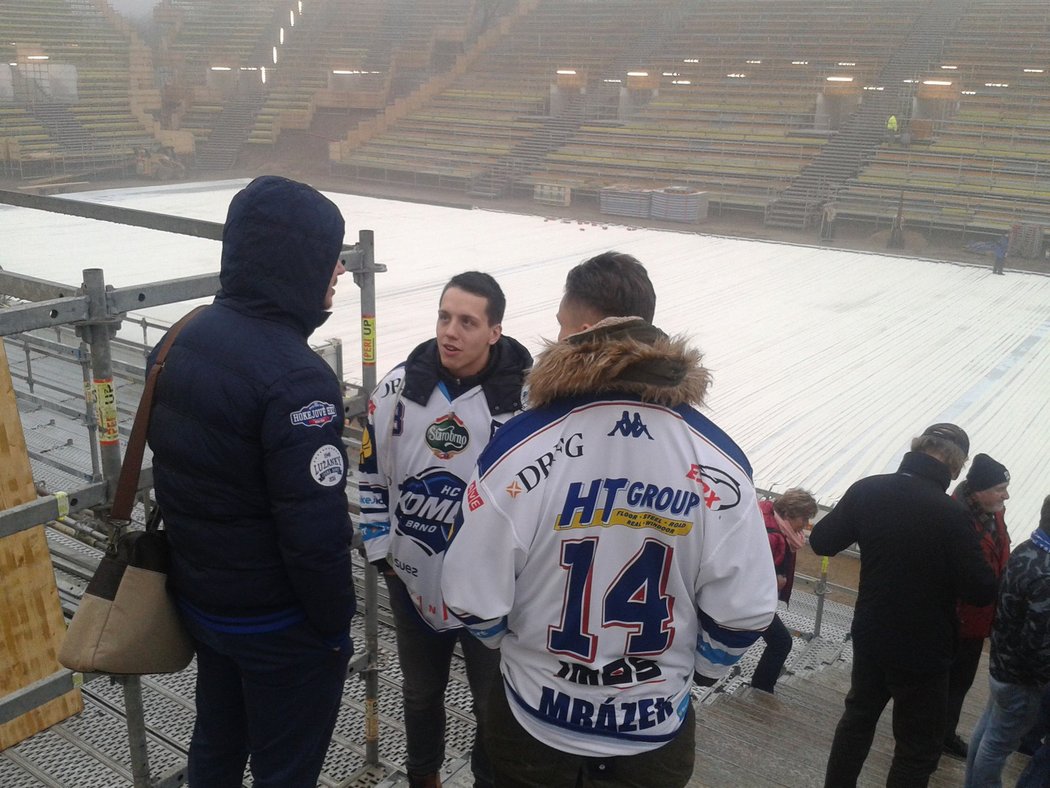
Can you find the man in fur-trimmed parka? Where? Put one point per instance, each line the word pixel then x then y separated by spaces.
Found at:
pixel 611 546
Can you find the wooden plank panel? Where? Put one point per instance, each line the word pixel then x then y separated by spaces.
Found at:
pixel 31 621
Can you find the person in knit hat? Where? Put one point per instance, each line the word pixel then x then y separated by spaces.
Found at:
pixel 984 493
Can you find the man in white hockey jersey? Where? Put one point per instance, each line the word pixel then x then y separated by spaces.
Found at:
pixel 428 421
pixel 611 546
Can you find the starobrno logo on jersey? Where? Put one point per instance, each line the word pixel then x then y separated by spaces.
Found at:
pixel 447 436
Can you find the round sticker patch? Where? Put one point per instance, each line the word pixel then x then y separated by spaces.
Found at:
pixel 326 466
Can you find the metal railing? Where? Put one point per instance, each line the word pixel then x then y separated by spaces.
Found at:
pixel 96 311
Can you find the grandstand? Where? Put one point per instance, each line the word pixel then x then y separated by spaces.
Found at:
pixel 977 154
pixel 773 107
pixel 78 90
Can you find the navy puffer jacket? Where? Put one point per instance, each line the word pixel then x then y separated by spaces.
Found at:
pixel 249 468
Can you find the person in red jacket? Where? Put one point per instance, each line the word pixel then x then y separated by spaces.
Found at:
pixel 984 493
pixel 786 520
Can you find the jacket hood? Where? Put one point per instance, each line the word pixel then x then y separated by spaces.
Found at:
pixel 501 380
pixel 626 355
pixel 280 245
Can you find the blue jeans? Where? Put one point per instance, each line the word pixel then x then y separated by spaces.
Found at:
pixel 1037 772
pixel 426 657
pixel 273 696
pixel 1012 709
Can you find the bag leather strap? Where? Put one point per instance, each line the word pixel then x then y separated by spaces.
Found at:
pixel 127 483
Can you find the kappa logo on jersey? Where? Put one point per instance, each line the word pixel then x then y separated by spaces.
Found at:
pixel 630 426
pixel 607 502
pixel 447 436
pixel 427 507
pixel 721 491
pixel 527 478
pixel 316 414
pixel 327 466
pixel 474 499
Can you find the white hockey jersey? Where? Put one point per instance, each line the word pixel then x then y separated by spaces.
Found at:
pixel 415 460
pixel 610 547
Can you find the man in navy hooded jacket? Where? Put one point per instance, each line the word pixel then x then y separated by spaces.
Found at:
pixel 249 471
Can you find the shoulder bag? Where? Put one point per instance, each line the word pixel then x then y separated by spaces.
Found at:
pixel 127 622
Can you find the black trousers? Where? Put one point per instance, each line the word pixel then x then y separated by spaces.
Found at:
pixel 778 646
pixel 520 761
pixel 960 679
pixel 919 710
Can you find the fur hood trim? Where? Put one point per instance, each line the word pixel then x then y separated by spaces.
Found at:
pixel 630 357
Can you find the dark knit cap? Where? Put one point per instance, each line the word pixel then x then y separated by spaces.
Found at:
pixel 986 473
pixel 951 433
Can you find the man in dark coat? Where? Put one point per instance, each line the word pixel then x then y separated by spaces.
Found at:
pixel 919 555
pixel 249 468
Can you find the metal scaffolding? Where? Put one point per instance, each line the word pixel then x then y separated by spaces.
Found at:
pixel 96 311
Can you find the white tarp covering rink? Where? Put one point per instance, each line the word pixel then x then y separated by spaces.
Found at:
pixel 825 362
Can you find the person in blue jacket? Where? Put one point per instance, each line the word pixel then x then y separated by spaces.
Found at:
pixel 249 470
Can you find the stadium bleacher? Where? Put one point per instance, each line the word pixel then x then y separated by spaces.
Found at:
pixel 76 101
pixel 979 160
pixel 464 95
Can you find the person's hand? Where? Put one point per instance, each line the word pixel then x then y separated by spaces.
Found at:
pixel 781 582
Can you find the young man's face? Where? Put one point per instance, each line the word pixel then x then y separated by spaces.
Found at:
pixel 464 334
pixel 329 297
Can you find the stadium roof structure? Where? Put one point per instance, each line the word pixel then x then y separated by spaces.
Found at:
pixel 826 363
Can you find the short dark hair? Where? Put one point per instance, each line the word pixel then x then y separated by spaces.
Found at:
pixel 613 284
pixel 483 285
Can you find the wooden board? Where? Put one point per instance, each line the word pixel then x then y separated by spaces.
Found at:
pixel 31 621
